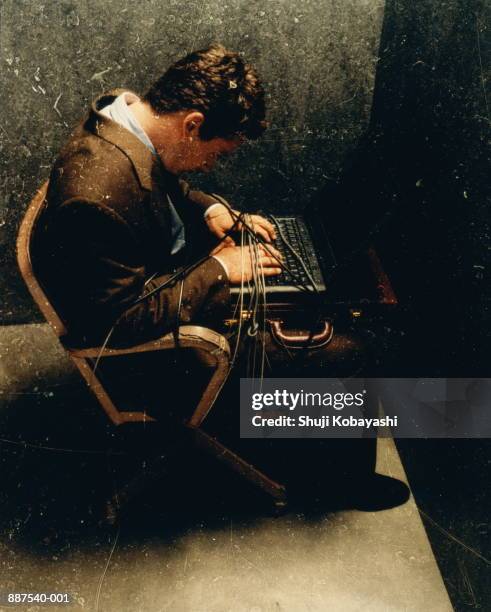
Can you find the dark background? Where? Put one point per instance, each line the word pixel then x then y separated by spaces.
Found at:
pixel 379 115
pixel 421 172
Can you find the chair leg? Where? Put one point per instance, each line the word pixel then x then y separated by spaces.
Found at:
pixel 248 471
pixel 211 392
pixel 95 385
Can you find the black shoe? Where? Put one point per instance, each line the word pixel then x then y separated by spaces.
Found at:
pixel 377 492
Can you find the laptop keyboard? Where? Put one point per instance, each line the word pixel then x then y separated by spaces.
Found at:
pixel 296 233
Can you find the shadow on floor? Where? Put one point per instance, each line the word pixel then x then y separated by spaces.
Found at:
pixel 62 461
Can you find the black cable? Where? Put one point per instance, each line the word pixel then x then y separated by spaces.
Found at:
pixel 184 271
pixel 259 240
pixel 314 289
pixel 180 274
pixel 308 341
pixel 294 253
pixel 317 318
pixel 175 277
pixel 300 284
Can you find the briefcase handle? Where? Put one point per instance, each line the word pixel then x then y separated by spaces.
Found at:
pixel 303 339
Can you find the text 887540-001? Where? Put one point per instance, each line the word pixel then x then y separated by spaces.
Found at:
pixel 22 598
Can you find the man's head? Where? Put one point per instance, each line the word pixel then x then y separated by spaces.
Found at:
pixel 204 106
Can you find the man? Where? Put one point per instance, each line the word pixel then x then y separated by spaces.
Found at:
pixel 119 222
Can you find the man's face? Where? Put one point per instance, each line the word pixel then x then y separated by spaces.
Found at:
pixel 202 155
pixel 176 137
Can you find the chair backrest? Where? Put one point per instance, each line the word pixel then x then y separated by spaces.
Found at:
pixel 24 261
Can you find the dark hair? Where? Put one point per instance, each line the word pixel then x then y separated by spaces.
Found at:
pixel 218 83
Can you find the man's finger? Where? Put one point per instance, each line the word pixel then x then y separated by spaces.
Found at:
pixel 271 271
pixel 269 262
pixel 263 233
pixel 271 251
pixel 264 224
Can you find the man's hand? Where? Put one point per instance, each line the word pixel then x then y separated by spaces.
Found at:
pixel 239 261
pixel 220 221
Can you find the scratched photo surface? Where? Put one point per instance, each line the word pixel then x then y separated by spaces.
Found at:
pixel 389 100
pixel 57 56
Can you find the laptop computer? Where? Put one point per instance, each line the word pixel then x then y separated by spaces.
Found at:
pixel 307 266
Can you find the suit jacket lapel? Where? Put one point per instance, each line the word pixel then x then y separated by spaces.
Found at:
pixel 139 155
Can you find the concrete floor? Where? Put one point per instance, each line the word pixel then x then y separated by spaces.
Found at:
pixel 200 540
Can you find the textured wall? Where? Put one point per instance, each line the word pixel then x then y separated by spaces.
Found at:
pixel 317 59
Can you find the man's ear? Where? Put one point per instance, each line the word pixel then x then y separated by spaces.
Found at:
pixel 191 124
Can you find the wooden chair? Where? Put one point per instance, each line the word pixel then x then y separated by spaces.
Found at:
pixel 211 344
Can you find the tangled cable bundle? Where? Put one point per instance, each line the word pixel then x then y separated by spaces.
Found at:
pixel 251 317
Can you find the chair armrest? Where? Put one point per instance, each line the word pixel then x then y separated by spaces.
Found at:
pixel 190 336
pixel 214 352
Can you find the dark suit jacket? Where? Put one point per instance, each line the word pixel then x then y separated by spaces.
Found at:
pixel 106 230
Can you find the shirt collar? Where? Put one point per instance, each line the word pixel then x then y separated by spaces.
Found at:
pixel 140 155
pixel 120 112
